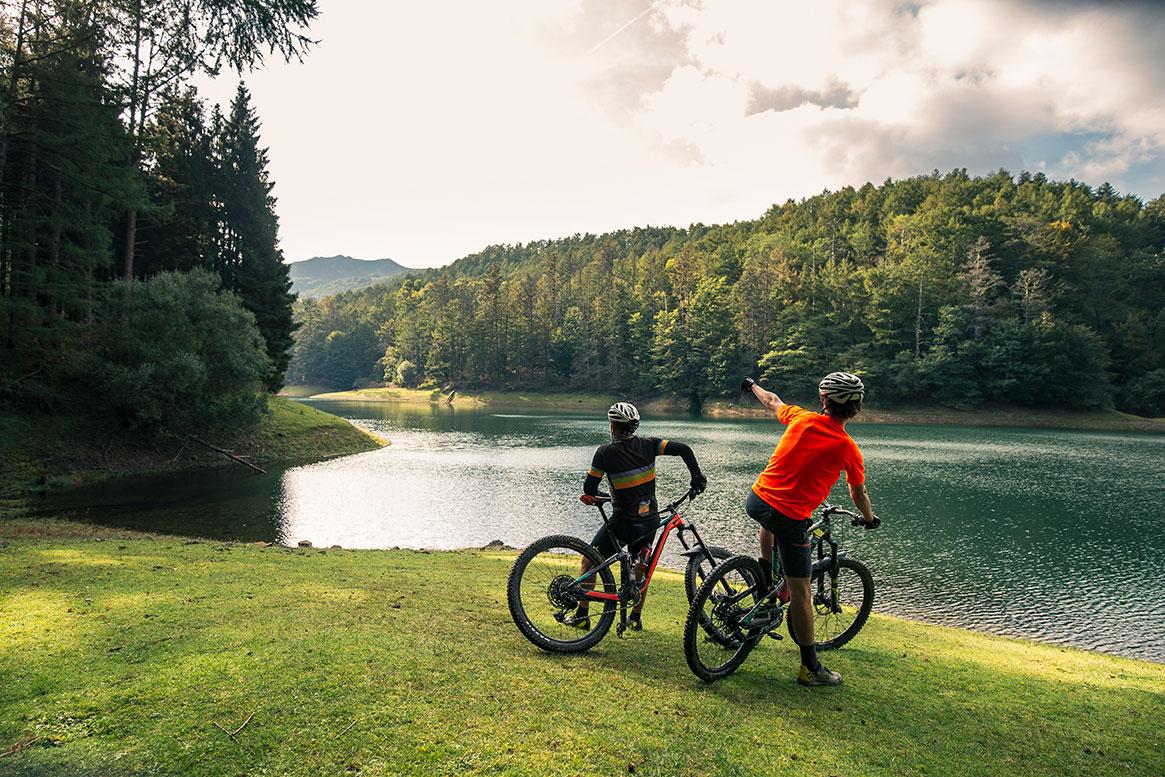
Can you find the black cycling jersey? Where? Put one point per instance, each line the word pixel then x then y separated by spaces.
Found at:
pixel 629 465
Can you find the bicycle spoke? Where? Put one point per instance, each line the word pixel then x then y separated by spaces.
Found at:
pixel 550 595
pixel 722 633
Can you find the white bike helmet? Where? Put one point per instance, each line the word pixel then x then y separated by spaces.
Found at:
pixel 842 387
pixel 624 413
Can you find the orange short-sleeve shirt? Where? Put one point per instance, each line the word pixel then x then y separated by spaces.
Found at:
pixel 810 455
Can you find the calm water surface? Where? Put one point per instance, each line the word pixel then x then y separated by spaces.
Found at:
pixel 1053 535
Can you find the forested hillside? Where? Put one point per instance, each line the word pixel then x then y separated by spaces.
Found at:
pixel 946 289
pixel 140 275
pixel 321 276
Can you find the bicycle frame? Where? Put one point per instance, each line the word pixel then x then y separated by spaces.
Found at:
pixel 820 534
pixel 629 591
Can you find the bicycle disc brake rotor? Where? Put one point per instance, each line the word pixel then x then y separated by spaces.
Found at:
pixel 563 592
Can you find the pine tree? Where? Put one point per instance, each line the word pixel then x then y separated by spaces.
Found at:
pixel 249 252
pixel 179 229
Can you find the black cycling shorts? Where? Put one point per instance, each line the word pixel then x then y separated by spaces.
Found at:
pixel 790 534
pixel 635 534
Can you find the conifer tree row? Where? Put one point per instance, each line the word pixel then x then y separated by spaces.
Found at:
pixel 110 169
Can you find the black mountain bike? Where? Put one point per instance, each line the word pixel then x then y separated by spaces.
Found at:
pixel 546 584
pixel 734 609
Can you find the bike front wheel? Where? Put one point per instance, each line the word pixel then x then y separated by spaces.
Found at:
pixel 715 641
pixel 841 603
pixel 544 592
pixel 699 567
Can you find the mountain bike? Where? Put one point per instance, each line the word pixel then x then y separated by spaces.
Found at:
pixel 734 608
pixel 546 584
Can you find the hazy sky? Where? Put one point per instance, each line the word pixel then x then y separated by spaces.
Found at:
pixel 425 131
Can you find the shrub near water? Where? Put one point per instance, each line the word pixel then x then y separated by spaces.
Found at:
pixel 177 352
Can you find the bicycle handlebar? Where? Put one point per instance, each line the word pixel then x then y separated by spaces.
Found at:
pixel 855 518
pixel 596 500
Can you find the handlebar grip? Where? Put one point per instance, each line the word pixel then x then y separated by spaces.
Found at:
pixel 857 521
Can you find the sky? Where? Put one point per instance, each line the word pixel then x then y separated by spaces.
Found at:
pixel 426 131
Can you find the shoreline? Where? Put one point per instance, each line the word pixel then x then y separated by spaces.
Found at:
pixel 52 452
pixel 1089 421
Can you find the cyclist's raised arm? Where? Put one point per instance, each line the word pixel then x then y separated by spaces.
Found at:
pixel 673 448
pixel 767 398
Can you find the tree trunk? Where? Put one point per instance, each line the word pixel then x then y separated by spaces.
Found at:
pixel 131 221
pixel 918 323
pixel 131 229
pixel 10 98
pixel 52 291
pixel 695 402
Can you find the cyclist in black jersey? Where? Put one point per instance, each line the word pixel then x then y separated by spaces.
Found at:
pixel 628 462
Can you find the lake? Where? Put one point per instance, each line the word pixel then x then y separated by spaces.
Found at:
pixel 1053 535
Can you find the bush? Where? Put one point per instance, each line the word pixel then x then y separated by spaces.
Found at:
pixel 175 352
pixel 407 374
pixel 1146 395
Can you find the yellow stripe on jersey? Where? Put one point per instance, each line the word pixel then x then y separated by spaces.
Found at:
pixel 596 473
pixel 662 447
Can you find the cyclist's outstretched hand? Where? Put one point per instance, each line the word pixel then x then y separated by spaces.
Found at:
pixel 747 384
pixel 699 484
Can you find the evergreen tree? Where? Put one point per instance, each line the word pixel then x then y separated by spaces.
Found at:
pixel 249 253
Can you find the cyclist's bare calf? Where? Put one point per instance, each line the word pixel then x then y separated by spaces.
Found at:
pixel 801 609
pixel 589 585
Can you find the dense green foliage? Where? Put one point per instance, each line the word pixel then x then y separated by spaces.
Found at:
pixel 949 288
pixel 110 174
pixel 176 351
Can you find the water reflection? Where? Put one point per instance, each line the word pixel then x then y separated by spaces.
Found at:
pixel 1048 534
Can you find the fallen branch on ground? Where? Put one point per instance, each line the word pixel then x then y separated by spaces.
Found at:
pixel 20 746
pixel 233 734
pixel 228 454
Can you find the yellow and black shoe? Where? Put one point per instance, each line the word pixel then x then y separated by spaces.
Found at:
pixel 821 677
pixel 580 620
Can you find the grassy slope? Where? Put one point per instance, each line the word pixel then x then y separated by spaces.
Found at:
pixel 119 656
pixel 62 449
pixel 1109 420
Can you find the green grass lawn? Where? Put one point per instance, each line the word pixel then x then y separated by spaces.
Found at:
pixel 118 655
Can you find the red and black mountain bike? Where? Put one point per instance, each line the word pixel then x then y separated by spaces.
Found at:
pixel 547 583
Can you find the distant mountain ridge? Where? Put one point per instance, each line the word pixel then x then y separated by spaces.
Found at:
pixel 324 275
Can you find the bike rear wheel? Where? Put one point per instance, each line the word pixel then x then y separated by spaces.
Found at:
pixel 715 643
pixel 543 593
pixel 836 623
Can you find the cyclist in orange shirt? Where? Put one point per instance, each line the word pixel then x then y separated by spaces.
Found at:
pixel 812 452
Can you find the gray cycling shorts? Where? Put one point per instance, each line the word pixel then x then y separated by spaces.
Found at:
pixel 790 534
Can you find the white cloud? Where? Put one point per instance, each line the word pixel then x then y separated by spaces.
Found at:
pixel 424 131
